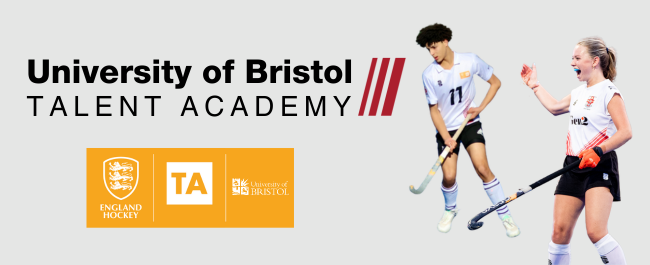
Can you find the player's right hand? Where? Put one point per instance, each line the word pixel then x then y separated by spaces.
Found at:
pixel 451 143
pixel 590 157
pixel 529 76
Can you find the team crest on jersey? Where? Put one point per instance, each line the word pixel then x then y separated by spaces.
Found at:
pixel 439 83
pixel 589 102
pixel 121 176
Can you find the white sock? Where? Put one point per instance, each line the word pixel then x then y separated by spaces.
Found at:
pixel 450 196
pixel 610 252
pixel 495 192
pixel 559 254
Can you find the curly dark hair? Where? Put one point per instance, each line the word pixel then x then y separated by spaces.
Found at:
pixel 432 34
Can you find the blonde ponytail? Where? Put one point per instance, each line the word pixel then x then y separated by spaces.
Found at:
pixel 596 48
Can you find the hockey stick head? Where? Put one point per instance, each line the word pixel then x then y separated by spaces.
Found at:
pixel 414 191
pixel 473 225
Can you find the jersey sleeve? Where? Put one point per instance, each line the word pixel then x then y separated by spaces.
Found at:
pixel 481 68
pixel 429 89
pixel 613 90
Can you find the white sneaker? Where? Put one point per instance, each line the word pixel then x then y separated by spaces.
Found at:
pixel 511 228
pixel 445 222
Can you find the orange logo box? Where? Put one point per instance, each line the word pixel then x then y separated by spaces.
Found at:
pixel 464 75
pixel 189 187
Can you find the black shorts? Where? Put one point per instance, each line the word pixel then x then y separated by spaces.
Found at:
pixel 472 133
pixel 577 181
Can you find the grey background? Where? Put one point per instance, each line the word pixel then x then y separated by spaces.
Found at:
pixel 352 173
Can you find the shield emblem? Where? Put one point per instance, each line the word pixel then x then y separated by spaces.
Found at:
pixel 121 176
pixel 590 101
pixel 239 187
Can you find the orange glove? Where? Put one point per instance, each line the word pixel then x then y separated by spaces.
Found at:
pixel 590 157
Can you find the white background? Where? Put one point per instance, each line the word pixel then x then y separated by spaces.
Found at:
pixel 352 204
pixel 189 168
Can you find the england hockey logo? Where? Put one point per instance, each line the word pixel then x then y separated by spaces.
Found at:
pixel 439 83
pixel 239 186
pixel 121 176
pixel 589 102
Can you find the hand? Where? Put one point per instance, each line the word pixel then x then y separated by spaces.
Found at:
pixel 529 76
pixel 474 112
pixel 451 143
pixel 590 157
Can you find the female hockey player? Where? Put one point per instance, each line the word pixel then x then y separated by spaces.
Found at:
pixel 598 124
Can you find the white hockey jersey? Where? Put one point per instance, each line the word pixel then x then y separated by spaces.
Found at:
pixel 590 123
pixel 453 90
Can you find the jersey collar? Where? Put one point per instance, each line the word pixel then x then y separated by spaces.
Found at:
pixel 440 69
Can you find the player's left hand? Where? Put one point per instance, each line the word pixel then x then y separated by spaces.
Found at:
pixel 590 157
pixel 474 112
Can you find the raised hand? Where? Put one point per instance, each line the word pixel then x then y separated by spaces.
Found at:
pixel 529 76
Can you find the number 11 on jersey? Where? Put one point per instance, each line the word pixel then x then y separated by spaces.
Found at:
pixel 460 94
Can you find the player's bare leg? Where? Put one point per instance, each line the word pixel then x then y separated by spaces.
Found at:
pixel 598 205
pixel 566 211
pixel 478 155
pixel 449 170
pixel 449 191
pixel 492 186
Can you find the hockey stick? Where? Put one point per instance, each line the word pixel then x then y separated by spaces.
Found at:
pixel 441 159
pixel 475 224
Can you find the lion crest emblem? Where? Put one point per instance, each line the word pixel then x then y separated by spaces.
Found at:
pixel 121 176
